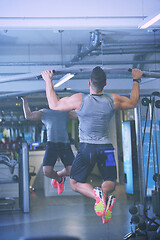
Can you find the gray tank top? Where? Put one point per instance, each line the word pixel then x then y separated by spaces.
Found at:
pixel 56 125
pixel 94 116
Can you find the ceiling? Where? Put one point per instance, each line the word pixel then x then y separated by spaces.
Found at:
pixel 69 37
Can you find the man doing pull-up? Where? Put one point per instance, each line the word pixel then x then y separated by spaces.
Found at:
pixel 94 111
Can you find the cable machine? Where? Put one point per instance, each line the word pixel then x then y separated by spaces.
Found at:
pixel 140 216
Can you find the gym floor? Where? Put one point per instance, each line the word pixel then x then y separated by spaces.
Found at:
pixel 67 216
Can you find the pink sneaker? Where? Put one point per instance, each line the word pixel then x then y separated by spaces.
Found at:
pixel 100 204
pixel 108 212
pixel 61 185
pixel 54 183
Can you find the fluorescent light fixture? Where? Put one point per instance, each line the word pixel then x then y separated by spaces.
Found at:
pixel 149 21
pixel 64 79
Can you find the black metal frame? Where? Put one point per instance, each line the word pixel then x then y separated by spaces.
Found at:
pixel 140 216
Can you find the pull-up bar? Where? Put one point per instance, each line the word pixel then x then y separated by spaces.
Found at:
pixel 148 74
pixel 68 75
pixel 37 75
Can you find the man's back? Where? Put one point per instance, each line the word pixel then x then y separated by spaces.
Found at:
pixel 56 125
pixel 94 117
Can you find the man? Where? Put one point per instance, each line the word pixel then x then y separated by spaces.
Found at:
pixel 94 111
pixel 58 144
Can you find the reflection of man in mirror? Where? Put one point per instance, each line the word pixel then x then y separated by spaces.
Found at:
pixel 58 144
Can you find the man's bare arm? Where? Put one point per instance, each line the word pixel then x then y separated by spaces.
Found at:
pixel 122 102
pixel 34 116
pixel 64 104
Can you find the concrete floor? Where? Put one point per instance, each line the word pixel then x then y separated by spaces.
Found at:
pixel 67 216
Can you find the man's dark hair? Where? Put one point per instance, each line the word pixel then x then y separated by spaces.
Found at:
pixel 98 79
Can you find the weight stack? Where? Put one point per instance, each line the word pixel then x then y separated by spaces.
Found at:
pixel 156 202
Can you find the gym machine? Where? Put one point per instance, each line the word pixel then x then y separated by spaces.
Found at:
pixel 146 226
pixel 7 203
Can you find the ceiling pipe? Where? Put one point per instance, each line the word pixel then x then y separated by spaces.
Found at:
pixel 30 64
pixel 70 92
pixel 24 93
pixel 124 44
pixel 95 42
pixel 115 62
pixel 123 51
pixel 53 64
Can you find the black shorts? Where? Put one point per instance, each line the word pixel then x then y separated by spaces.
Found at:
pixel 90 154
pixel 55 150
